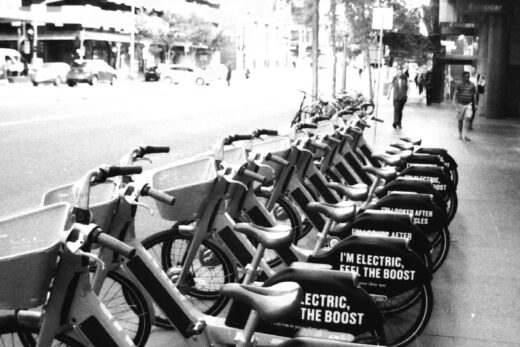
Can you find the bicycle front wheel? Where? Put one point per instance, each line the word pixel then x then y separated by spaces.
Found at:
pixel 210 270
pixel 127 304
pixel 13 334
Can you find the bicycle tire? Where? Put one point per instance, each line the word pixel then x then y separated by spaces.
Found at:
pixel 454 176
pixel 399 328
pixel 128 305
pixel 440 247
pixel 453 202
pixel 208 300
pixel 13 334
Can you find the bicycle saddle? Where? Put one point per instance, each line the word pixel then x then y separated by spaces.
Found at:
pixel 277 237
pixel 356 192
pixel 387 173
pixel 405 155
pixel 432 150
pixel 274 303
pixel 342 211
pixel 404 146
pixel 415 142
pixel 388 159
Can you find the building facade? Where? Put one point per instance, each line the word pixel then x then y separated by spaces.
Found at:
pixel 483 33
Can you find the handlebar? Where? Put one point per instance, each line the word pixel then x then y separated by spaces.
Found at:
pixel 307 126
pixel 276 159
pixel 117 170
pixel 157 195
pixel 110 242
pixel 154 149
pixel 260 132
pixel 320 119
pixel 232 138
pixel 252 175
pixel 332 139
pixel 315 144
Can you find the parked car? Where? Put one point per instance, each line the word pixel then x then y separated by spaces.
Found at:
pixel 177 73
pixel 152 73
pixel 91 71
pixel 11 62
pixel 55 73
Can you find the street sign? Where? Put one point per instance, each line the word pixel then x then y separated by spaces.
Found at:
pixel 383 18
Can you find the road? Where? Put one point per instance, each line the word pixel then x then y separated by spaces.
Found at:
pixel 50 136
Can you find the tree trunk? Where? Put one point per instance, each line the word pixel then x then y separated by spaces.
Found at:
pixel 333 44
pixel 344 65
pixel 315 46
pixel 367 59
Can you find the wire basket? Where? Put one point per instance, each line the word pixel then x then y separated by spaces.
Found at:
pixel 190 181
pixel 235 156
pixel 324 128
pixel 29 248
pixel 278 146
pixel 103 200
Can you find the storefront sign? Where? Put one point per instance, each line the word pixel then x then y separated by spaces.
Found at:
pixel 481 6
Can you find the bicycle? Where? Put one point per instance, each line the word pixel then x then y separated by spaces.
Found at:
pixel 241 248
pixel 94 325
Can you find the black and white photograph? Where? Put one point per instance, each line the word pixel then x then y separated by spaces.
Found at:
pixel 288 173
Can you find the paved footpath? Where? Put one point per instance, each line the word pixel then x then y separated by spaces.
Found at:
pixel 477 290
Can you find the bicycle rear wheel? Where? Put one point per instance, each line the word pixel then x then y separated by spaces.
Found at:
pixel 209 271
pixel 13 334
pixel 405 321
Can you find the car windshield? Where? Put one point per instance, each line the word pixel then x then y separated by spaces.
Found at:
pixel 79 64
pixel 49 65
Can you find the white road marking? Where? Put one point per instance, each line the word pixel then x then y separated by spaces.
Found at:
pixel 31 120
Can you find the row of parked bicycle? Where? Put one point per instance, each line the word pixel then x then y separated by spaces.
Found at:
pixel 76 274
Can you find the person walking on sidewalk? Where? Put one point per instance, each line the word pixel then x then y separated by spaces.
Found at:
pixel 399 87
pixel 465 100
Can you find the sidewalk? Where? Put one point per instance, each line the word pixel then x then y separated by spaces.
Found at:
pixel 477 290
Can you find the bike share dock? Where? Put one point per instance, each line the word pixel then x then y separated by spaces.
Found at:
pixel 477 290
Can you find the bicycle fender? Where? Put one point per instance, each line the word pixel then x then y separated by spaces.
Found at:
pixel 332 301
pixel 448 159
pixel 385 266
pixel 414 186
pixel 423 211
pixel 439 177
pixel 422 159
pixel 393 225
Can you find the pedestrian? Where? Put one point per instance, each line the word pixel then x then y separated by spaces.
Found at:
pixel 399 87
pixel 228 76
pixel 479 81
pixel 248 73
pixel 428 86
pixel 464 98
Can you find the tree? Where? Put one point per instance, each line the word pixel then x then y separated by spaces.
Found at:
pixel 171 28
pixel 405 36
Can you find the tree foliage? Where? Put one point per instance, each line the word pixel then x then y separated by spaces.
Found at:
pixel 171 28
pixel 404 40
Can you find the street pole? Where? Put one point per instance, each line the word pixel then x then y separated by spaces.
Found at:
pixel 132 40
pixel 315 47
pixel 378 78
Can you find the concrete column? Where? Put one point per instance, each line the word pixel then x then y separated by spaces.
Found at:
pixel 497 63
pixel 482 62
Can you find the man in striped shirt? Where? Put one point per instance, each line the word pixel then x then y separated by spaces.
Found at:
pixel 465 99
